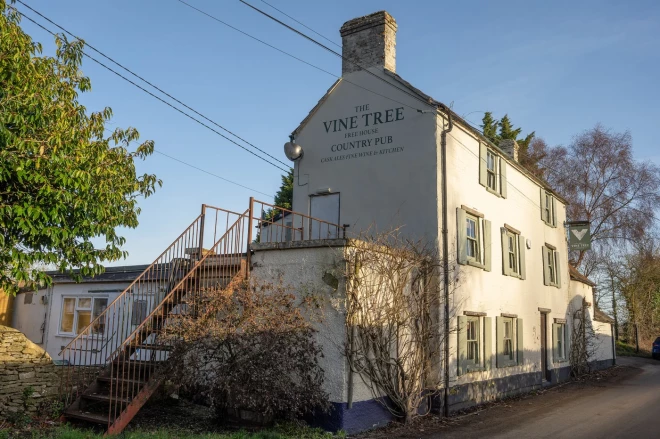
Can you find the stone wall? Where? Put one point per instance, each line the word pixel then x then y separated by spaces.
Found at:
pixel 24 365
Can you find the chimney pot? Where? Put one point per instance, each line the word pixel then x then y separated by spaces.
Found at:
pixel 369 41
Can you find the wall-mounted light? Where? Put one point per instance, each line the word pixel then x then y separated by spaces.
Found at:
pixel 293 151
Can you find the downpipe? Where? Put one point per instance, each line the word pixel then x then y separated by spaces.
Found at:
pixel 445 257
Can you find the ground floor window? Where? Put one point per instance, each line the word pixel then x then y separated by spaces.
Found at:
pixel 474 342
pixel 559 348
pixel 509 340
pixel 79 312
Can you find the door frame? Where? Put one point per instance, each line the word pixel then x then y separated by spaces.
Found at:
pixel 545 370
pixel 309 208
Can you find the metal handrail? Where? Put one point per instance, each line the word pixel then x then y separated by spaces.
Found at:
pixel 157 320
pixel 128 288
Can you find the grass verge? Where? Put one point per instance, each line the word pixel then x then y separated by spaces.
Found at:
pixel 626 350
pixel 286 431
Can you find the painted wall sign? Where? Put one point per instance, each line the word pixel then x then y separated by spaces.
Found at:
pixel 362 134
pixel 579 235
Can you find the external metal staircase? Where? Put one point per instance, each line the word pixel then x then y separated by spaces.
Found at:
pixel 115 364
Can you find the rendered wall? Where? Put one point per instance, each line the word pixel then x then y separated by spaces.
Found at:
pixel 385 172
pixel 492 292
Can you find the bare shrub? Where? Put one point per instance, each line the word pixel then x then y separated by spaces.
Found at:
pixel 249 348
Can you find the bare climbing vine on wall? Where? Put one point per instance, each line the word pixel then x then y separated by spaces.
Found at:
pixel 394 329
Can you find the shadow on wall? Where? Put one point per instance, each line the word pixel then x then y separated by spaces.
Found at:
pixel 25 369
pixel 571 340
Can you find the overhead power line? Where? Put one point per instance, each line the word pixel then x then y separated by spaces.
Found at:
pixel 157 88
pixel 410 94
pixel 302 24
pixel 211 173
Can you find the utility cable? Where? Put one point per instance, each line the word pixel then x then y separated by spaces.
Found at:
pixel 152 94
pixel 302 24
pixel 211 173
pixel 419 98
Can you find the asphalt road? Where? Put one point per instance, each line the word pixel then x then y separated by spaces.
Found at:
pixel 625 408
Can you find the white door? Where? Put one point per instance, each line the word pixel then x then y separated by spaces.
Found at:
pixel 324 208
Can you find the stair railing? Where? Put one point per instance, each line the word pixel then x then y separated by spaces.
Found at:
pixel 131 364
pixel 85 356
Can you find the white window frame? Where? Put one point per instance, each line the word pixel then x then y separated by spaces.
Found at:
pixel 492 174
pixel 559 335
pixel 493 179
pixel 76 310
pixel 509 322
pixel 515 341
pixel 548 208
pixel 551 267
pixel 509 236
pixel 474 343
pixel 474 340
pixel 482 258
pixel 476 241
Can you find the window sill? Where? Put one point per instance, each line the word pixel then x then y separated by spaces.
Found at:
pixel 475 264
pixel 505 365
pixel 517 276
pixel 471 369
pixel 494 192
pixel 96 337
pixel 554 226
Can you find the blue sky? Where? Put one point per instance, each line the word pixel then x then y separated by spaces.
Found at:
pixel 557 68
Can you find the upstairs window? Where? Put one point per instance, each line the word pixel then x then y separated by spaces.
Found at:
pixel 513 252
pixel 473 238
pixel 548 208
pixel 492 171
pixel 551 267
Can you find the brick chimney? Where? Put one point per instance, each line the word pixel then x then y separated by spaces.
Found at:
pixel 510 147
pixel 369 41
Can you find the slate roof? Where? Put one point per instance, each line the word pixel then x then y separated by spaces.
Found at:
pixel 126 273
pixel 600 316
pixel 576 275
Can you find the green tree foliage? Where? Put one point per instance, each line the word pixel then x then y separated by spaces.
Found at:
pixel 63 183
pixel 530 153
pixel 284 196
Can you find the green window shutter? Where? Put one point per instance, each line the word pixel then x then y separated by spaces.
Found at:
pixel 554 212
pixel 555 347
pixel 462 345
pixel 499 345
pixel 558 270
pixel 483 156
pixel 519 340
pixel 546 273
pixel 462 236
pixel 487 246
pixel 505 253
pixel 488 342
pixel 542 204
pixel 521 252
pixel 503 181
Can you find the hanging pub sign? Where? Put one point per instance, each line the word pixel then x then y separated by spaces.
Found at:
pixel 579 235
